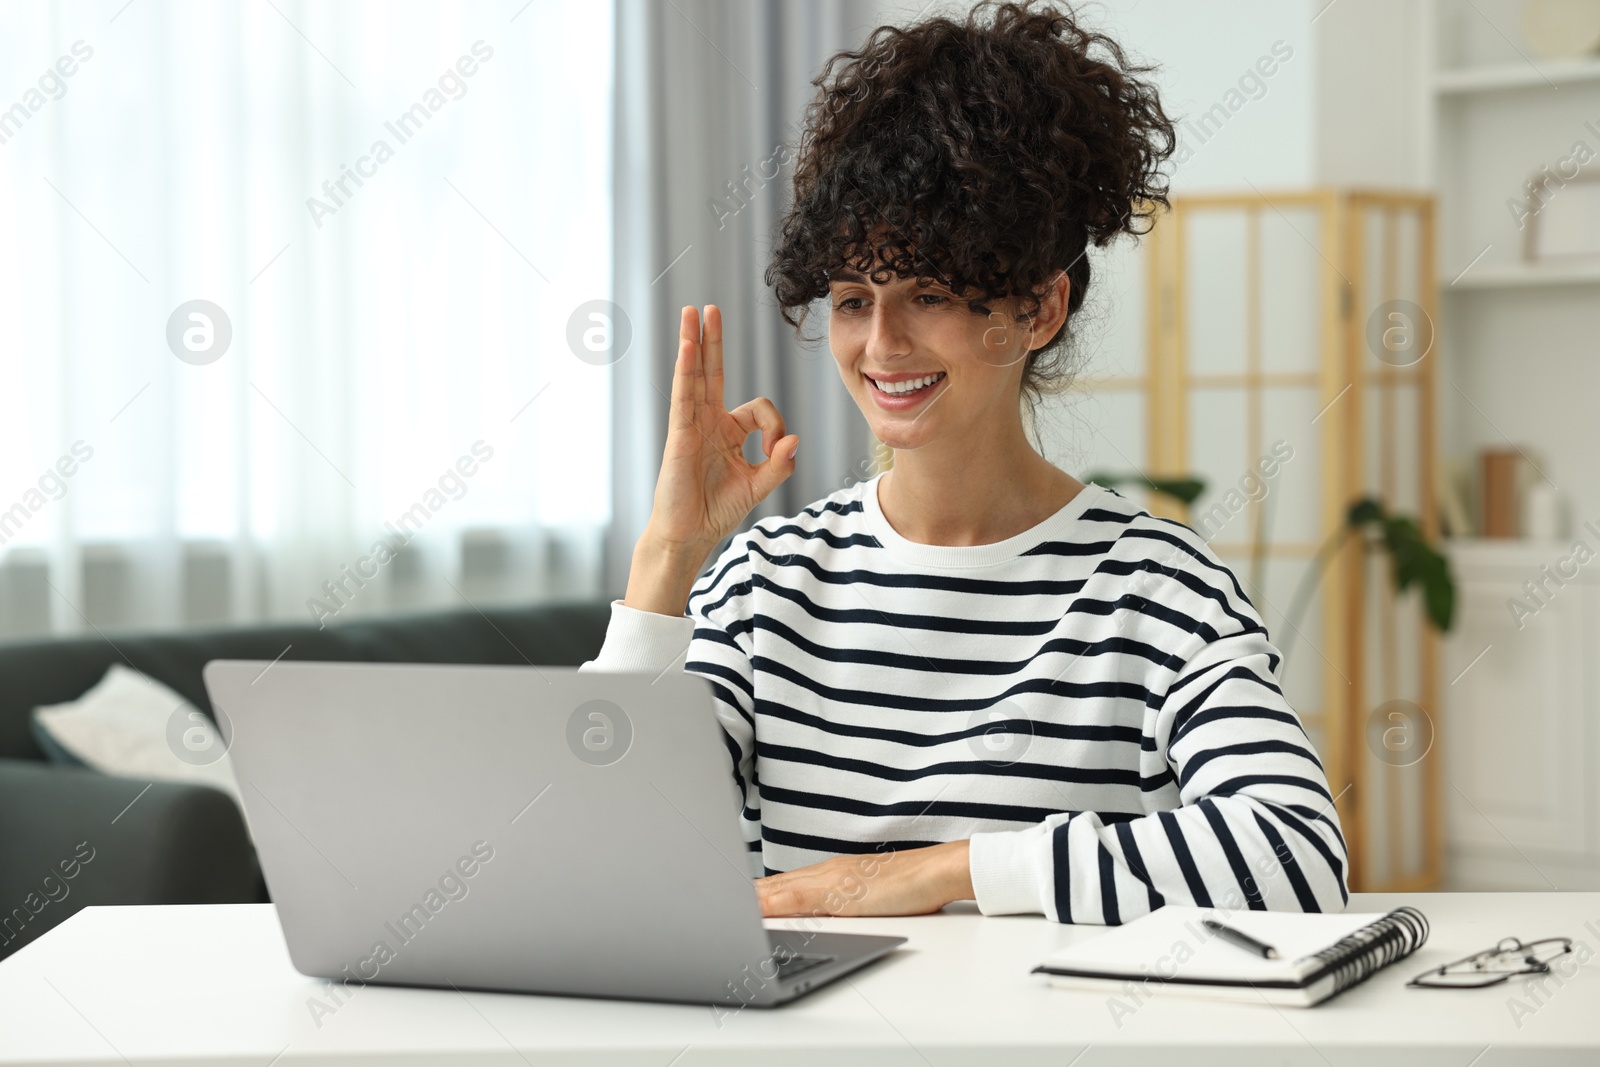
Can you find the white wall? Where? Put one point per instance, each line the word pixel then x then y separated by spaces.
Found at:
pixel 1208 55
pixel 1370 94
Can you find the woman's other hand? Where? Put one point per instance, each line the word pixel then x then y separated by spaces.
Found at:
pixel 911 882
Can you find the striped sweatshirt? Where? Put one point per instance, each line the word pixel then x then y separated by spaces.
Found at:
pixel 1093 702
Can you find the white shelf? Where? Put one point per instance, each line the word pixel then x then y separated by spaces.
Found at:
pixel 1464 80
pixel 1524 276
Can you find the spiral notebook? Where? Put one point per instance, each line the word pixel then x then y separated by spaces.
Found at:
pixel 1169 949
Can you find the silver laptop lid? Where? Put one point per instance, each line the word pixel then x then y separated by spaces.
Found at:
pixel 515 828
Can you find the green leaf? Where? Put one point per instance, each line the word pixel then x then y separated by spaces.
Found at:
pixel 1413 561
pixel 1364 512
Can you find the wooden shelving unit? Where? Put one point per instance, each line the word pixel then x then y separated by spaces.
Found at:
pixel 1522 276
pixel 1463 81
pixel 1518 338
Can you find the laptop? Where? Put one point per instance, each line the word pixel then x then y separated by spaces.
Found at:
pixel 521 829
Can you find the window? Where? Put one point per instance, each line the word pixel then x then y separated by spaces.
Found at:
pixel 280 282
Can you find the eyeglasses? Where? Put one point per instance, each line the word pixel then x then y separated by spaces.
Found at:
pixel 1495 965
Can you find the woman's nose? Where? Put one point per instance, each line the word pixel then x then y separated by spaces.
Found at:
pixel 888 336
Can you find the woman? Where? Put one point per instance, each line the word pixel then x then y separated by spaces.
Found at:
pixel 972 677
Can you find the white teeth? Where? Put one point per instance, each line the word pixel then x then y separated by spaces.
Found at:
pixel 909 386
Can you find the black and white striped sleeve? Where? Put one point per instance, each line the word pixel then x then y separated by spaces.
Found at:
pixel 720 651
pixel 1256 826
pixel 711 640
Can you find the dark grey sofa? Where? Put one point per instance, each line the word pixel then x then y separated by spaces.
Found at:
pixel 68 837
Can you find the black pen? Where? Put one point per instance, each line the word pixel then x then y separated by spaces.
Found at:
pixel 1243 940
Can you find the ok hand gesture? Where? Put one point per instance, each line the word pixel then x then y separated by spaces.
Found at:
pixel 706 486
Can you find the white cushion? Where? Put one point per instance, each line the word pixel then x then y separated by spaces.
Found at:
pixel 130 725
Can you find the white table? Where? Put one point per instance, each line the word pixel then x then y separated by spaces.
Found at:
pixel 213 985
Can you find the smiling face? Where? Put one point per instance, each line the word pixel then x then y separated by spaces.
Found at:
pixel 921 365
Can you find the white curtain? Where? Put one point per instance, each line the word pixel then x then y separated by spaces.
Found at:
pixel 402 211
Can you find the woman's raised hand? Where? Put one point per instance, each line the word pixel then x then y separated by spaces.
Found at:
pixel 706 486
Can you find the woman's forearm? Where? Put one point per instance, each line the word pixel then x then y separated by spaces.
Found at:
pixel 662 575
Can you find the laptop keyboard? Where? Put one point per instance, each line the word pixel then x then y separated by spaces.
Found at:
pixel 795 965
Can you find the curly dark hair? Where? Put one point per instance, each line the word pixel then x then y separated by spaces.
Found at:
pixel 983 155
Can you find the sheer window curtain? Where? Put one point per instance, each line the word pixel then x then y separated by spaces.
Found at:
pixel 398 217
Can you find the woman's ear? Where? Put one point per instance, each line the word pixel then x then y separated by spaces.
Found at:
pixel 1052 309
